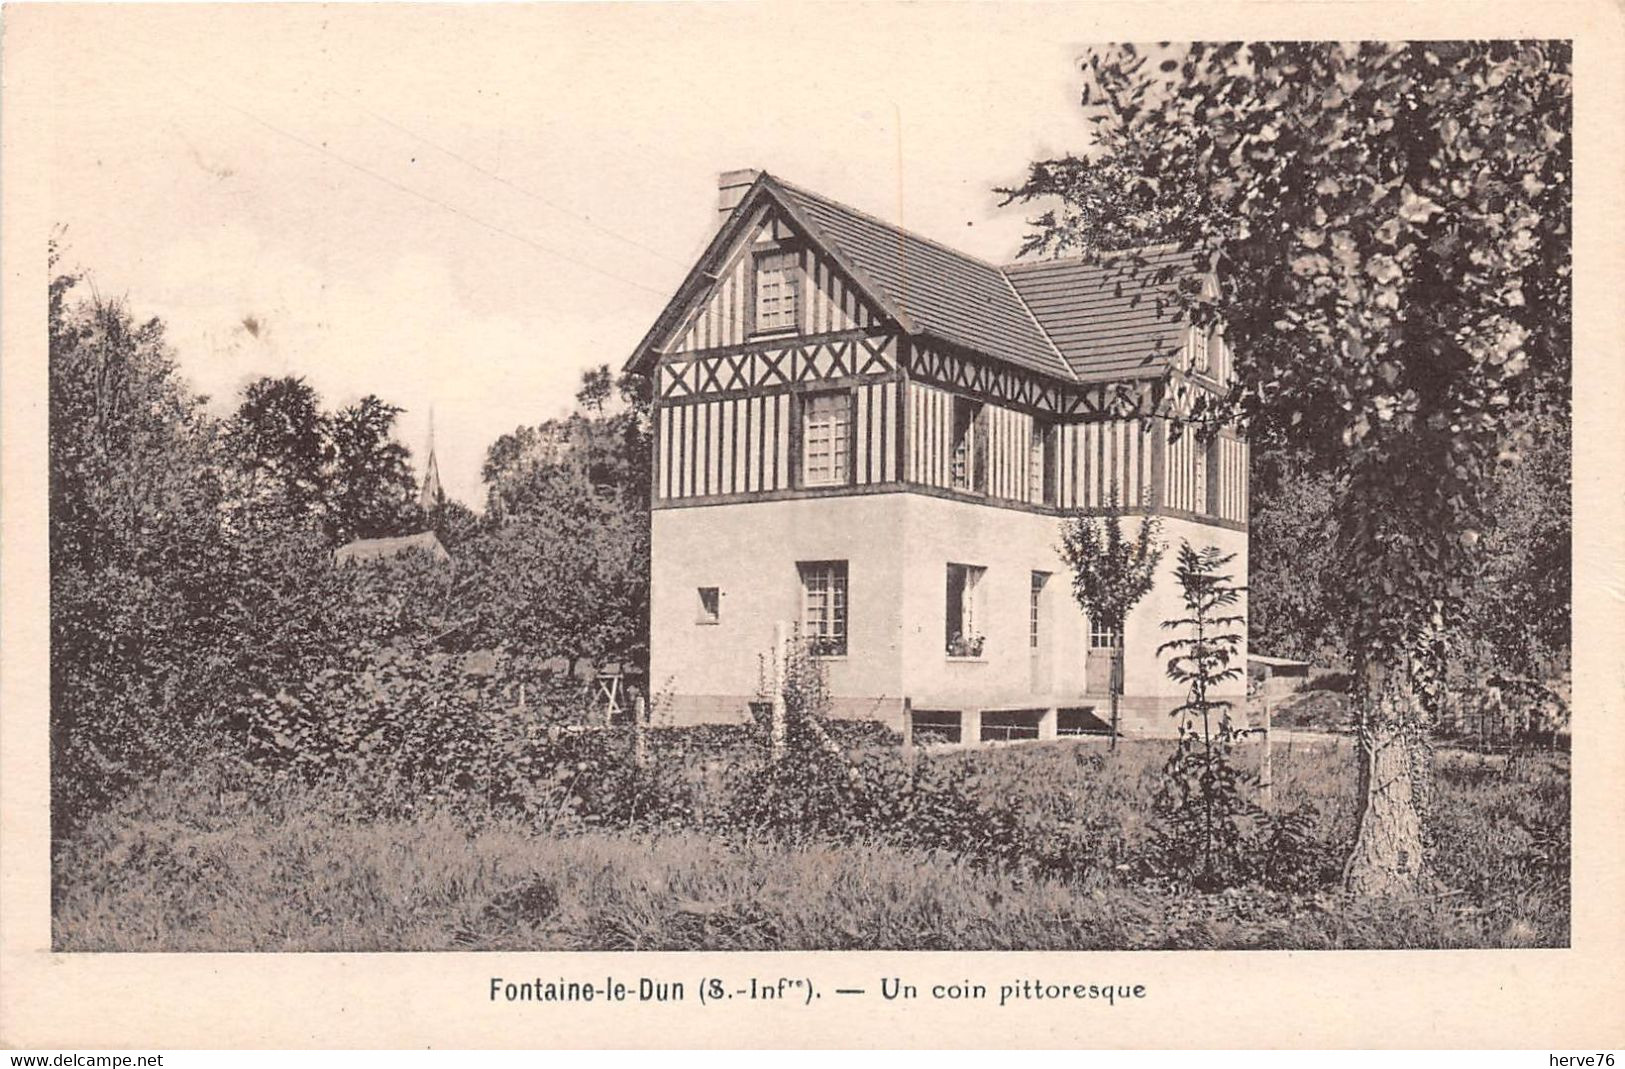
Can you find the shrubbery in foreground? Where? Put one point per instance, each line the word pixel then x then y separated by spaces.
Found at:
pixel 196 862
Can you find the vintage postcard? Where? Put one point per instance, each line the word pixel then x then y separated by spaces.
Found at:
pixel 811 525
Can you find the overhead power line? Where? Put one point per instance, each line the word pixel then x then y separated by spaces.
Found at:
pixel 408 190
pixel 495 177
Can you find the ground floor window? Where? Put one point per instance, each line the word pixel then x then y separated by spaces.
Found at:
pixel 823 606
pixel 963 631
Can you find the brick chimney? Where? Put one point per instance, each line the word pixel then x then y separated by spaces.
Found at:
pixel 732 187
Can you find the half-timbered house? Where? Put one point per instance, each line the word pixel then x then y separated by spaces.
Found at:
pixel 876 437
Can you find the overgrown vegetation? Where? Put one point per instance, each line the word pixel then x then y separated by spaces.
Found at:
pixel 197 861
pixel 253 748
pixel 197 612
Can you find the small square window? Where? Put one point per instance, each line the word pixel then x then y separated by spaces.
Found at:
pixel 710 605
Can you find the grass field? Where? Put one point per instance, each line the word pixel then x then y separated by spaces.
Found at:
pixel 193 865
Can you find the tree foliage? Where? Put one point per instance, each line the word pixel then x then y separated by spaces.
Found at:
pixel 566 548
pixel 1204 805
pixel 278 437
pixel 1110 574
pixel 197 613
pixel 371 491
pixel 1389 227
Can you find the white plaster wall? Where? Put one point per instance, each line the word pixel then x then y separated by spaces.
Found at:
pixel 1011 545
pixel 897 546
pixel 1145 671
pixel 749 551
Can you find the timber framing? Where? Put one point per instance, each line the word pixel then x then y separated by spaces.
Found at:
pixel 966 496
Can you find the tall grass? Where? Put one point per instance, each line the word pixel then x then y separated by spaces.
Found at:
pixel 192 864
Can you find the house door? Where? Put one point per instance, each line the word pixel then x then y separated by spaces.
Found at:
pixel 1103 643
pixel 1038 635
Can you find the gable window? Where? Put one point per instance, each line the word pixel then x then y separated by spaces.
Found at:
pixel 778 276
pixel 710 605
pixel 825 421
pixel 963 632
pixel 969 468
pixel 823 606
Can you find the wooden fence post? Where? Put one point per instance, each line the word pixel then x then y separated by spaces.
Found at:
pixel 778 731
pixel 908 732
pixel 640 736
pixel 1266 764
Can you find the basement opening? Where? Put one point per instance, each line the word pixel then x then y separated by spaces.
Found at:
pixel 1010 725
pixel 934 726
pixel 1080 722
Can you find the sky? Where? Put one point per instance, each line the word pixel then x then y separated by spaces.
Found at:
pixel 461 209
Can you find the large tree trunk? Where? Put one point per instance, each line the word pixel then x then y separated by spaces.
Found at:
pixel 1387 858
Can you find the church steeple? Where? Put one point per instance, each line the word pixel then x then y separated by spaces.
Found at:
pixel 432 497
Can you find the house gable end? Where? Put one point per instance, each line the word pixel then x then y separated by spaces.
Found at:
pixel 715 308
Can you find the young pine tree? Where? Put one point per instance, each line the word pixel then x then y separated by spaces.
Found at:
pixel 1204 803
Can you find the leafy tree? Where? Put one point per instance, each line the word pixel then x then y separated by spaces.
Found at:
pixel 454 523
pixel 1296 577
pixel 1389 226
pixel 279 439
pixel 134 534
pixel 1206 804
pixel 566 576
pixel 370 489
pixel 1110 575
pixel 566 550
pixel 597 387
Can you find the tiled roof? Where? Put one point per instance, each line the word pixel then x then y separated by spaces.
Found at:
pixel 1110 320
pixel 371 549
pixel 1062 317
pixel 944 293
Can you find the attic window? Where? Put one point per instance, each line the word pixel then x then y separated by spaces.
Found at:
pixel 778 276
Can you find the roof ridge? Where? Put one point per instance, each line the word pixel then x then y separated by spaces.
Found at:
pixel 875 219
pixel 1103 255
